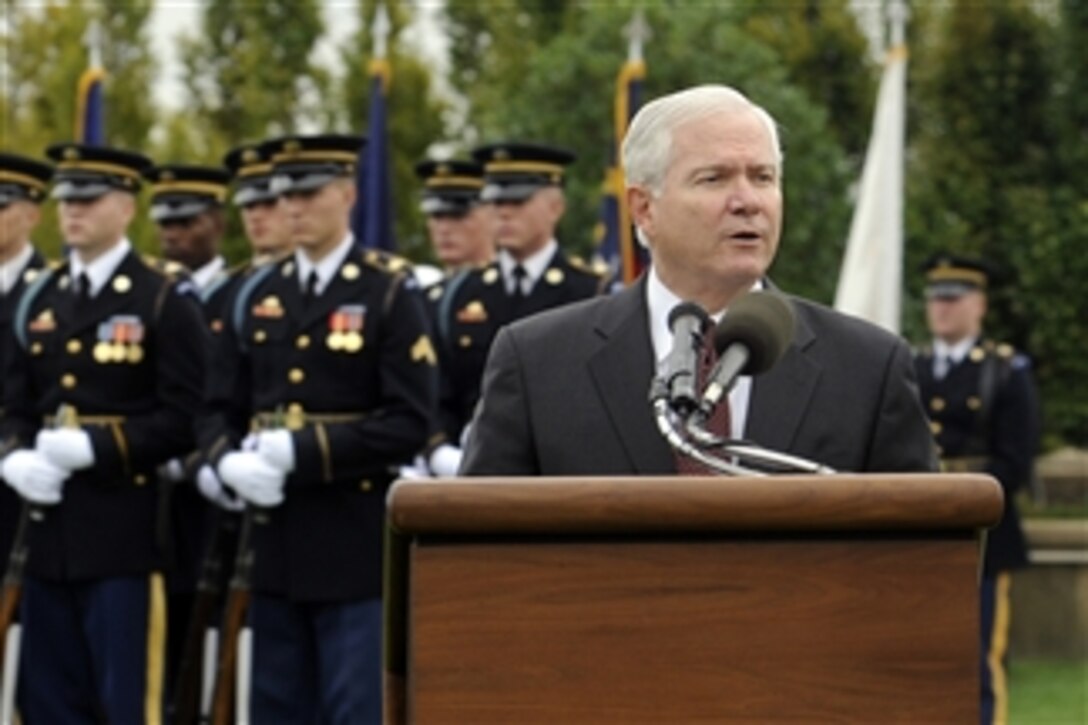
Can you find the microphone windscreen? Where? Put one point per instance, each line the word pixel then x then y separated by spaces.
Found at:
pixel 762 322
pixel 686 309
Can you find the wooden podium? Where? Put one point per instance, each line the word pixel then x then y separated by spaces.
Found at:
pixel 848 598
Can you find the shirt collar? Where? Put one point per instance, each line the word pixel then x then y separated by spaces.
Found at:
pixel 534 265
pixel 11 270
pixel 956 351
pixel 327 267
pixel 661 301
pixel 100 270
pixel 203 277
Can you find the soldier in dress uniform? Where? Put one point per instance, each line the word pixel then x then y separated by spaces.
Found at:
pixel 523 183
pixel 101 384
pixel 459 225
pixel 262 214
pixel 23 185
pixel 984 413
pixel 333 365
pixel 187 208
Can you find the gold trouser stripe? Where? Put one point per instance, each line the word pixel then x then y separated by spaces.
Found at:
pixel 326 451
pixel 156 649
pixel 999 644
pixel 122 447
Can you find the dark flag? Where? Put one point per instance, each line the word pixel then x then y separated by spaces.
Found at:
pixel 372 219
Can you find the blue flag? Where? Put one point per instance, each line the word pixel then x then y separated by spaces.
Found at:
pixel 372 218
pixel 616 242
pixel 90 108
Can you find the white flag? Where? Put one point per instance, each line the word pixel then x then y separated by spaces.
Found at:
pixel 871 280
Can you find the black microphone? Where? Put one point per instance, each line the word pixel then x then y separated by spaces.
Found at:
pixel 750 339
pixel 676 382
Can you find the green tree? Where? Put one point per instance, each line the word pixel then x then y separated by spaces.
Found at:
pixel 984 178
pixel 43 58
pixel 415 119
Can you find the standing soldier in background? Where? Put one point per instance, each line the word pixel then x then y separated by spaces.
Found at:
pixel 462 234
pixel 117 346
pixel 523 183
pixel 187 208
pixel 23 183
pixel 332 363
pixel 262 214
pixel 984 413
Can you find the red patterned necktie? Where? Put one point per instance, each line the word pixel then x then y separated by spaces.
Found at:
pixel 719 422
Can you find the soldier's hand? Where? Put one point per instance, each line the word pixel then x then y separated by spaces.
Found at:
pixel 445 460
pixel 34 477
pixel 68 448
pixel 277 447
pixel 253 478
pixel 212 489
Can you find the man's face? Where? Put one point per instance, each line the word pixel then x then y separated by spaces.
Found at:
pixel 523 228
pixel 93 226
pixel 17 219
pixel 192 241
pixel 716 222
pixel 956 318
pixel 465 239
pixel 317 220
pixel 266 226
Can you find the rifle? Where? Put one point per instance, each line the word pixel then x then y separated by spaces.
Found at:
pixel 191 697
pixel 12 593
pixel 234 615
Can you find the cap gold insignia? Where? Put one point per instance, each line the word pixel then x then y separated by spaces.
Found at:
pixel 121 284
pixel 977 354
pixel 71 154
pixel 167 176
pixel 554 276
pixel 501 155
pixel 491 276
pixel 472 312
pixel 249 156
pixel 350 271
pixel 443 170
pixel 423 351
pixel 292 146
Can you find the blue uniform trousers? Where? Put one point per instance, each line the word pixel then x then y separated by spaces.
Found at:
pixel 92 651
pixel 994 632
pixel 316 662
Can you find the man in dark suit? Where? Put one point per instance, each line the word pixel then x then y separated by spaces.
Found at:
pixel 23 183
pixel 565 393
pixel 984 410
pixel 523 182
pixel 119 346
pixel 326 354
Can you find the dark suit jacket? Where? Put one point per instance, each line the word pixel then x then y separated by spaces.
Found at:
pixel 566 393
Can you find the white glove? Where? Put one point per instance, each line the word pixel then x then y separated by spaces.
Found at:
pixel 212 489
pixel 416 469
pixel 69 448
pixel 35 478
pixel 277 447
pixel 445 460
pixel 255 479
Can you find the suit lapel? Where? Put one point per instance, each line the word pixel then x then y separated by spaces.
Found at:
pixel 781 396
pixel 622 370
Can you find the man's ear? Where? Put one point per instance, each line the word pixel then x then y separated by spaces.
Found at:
pixel 638 203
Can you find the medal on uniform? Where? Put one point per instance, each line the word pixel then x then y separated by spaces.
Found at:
pixel 120 340
pixel 346 328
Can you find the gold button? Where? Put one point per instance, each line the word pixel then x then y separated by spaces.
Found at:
pixel 74 346
pixel 302 342
pixel 36 348
pixel 974 403
pixel 68 380
pixel 935 427
pixel 365 486
pixel 937 404
pixel 465 341
pixel 296 375
pixel 140 479
pixel 260 336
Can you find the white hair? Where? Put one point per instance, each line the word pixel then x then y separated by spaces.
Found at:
pixel 648 145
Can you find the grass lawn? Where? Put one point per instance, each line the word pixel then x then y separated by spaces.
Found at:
pixel 1048 692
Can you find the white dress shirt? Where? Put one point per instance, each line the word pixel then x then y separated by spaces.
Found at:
pixel 326 268
pixel 534 266
pixel 205 275
pixel 945 355
pixel 661 300
pixel 100 270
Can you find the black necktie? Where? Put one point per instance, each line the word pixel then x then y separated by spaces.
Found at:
pixel 520 276
pixel 310 293
pixel 82 288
